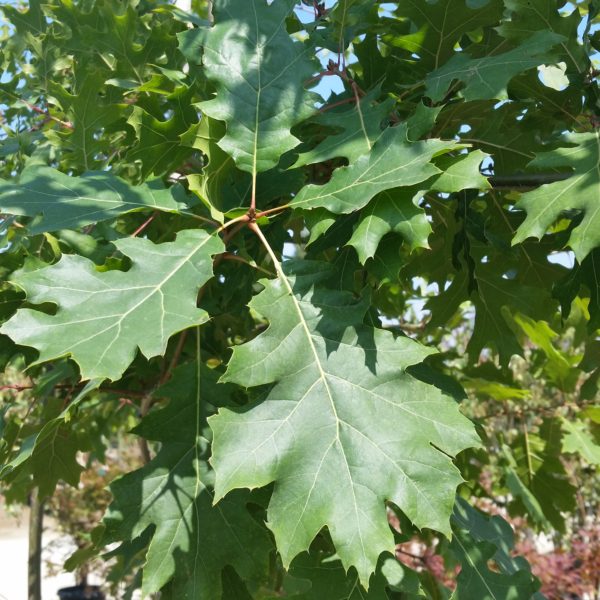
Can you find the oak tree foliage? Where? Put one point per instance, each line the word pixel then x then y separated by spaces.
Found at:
pixel 277 241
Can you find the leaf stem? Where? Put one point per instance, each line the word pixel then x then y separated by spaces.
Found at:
pixel 256 229
pixel 144 225
pixel 336 104
pixel 200 218
pixel 235 257
pixel 242 219
pixel 264 213
pixel 41 111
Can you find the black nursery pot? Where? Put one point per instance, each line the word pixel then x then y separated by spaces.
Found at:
pixel 81 592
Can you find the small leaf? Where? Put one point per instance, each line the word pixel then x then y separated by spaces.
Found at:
pixel 393 162
pixel 394 210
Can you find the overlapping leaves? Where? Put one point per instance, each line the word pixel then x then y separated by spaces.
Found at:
pixel 392 162
pixel 192 540
pixel 330 416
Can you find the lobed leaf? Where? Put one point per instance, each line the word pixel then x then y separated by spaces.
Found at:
pixel 103 317
pixel 580 192
pixel 192 540
pixel 392 162
pixel 258 71
pixel 344 429
pixel 487 77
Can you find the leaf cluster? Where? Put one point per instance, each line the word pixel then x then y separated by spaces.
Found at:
pixel 336 267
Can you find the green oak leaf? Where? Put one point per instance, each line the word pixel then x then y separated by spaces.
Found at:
pixel 460 173
pixel 580 192
pixel 360 126
pixel 51 454
pixel 71 202
pixel 478 539
pixel 587 275
pixel 394 210
pixel 579 439
pixel 529 16
pixel 493 129
pixel 492 299
pixel 159 147
pixel 192 540
pixel 87 110
pixel 332 464
pixel 537 478
pixel 398 210
pixel 28 25
pixel 346 20
pixel 491 323
pixel 559 367
pixel 488 76
pixel 221 185
pixel 259 72
pixel 439 26
pixel 392 162
pixel 114 30
pixel 103 317
pixel 421 120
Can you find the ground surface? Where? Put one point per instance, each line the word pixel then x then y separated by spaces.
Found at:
pixel 13 559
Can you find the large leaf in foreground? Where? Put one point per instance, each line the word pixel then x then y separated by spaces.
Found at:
pixel 192 541
pixel 392 162
pixel 345 429
pixel 70 202
pixel 579 192
pixel 259 72
pixel 103 317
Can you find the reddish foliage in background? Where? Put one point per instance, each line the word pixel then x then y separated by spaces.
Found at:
pixel 422 557
pixel 571 572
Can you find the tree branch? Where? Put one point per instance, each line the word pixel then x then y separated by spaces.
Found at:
pixel 525 180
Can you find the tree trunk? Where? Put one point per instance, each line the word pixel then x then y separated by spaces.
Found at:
pixel 34 563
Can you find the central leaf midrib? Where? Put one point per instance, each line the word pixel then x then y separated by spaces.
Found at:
pixel 323 377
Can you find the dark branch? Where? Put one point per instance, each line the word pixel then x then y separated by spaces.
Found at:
pixel 526 180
